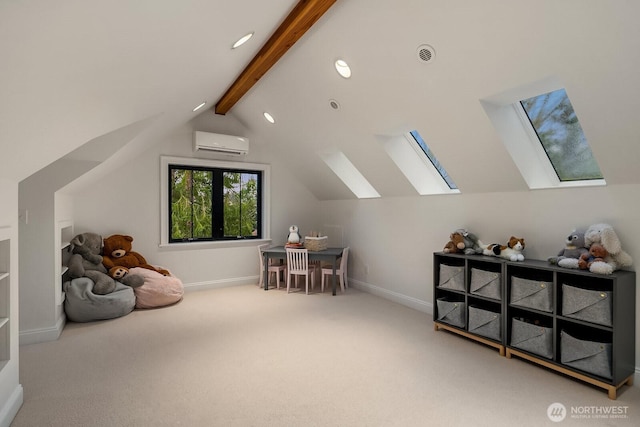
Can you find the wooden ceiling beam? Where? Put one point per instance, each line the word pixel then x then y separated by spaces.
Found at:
pixel 301 18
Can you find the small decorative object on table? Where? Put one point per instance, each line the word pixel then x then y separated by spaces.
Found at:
pixel 293 237
pixel 315 242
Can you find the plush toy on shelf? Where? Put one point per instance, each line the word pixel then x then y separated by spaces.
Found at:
pixel 512 251
pixel 462 241
pixel 455 244
pixel 574 249
pixel 616 257
pixel 596 253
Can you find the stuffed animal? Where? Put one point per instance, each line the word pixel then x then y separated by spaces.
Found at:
pixel 596 253
pixel 86 261
pixel 471 245
pixel 616 257
pixel 512 252
pixel 573 250
pixel 463 241
pixel 117 253
pixel 293 236
pixel 118 272
pixel 455 244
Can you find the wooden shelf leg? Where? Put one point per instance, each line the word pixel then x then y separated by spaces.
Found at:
pixel 508 355
pixel 501 350
pixel 612 393
pixel 630 381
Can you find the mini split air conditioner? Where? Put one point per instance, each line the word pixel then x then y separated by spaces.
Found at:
pixel 218 143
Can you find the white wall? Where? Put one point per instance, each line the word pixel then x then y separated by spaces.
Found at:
pixel 128 202
pixel 10 388
pixel 394 238
pixel 41 318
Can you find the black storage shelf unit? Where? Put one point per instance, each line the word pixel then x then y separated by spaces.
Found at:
pixel 608 326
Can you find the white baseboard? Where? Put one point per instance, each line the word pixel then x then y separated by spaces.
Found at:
pixel 416 304
pixel 223 283
pixel 11 407
pixel 52 333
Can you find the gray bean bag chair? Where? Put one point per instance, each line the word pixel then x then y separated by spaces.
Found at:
pixel 82 305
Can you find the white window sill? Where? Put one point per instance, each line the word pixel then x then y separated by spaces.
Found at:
pixel 220 244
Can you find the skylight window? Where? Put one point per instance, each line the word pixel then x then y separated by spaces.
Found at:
pixel 557 127
pixel 432 158
pixel 418 164
pixel 540 130
pixel 350 175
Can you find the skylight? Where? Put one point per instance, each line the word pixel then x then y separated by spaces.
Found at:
pixel 350 175
pixel 432 158
pixel 557 127
pixel 419 165
pixel 540 130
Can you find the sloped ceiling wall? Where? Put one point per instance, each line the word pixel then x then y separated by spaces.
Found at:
pixel 75 70
pixel 482 49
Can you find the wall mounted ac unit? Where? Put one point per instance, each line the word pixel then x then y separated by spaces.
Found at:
pixel 218 143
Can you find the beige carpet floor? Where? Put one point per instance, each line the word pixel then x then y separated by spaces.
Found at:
pixel 241 356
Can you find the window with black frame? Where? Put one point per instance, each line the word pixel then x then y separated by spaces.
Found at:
pixel 208 204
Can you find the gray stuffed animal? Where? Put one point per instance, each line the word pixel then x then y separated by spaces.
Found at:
pixel 574 248
pixel 471 245
pixel 86 261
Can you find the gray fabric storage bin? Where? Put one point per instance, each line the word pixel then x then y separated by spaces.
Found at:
pixel 486 283
pixel 532 338
pixel 585 304
pixel 451 277
pixel 484 322
pixel 531 294
pixel 589 356
pixel 451 312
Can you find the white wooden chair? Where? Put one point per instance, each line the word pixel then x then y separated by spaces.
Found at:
pixel 276 269
pixel 298 265
pixel 341 272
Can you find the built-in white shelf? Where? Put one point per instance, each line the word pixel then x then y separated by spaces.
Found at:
pixel 64 234
pixel 5 296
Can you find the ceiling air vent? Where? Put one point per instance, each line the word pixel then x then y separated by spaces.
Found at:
pixel 426 54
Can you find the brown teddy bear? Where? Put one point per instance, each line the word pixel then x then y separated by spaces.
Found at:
pixel 86 261
pixel 455 244
pixel 597 252
pixel 117 253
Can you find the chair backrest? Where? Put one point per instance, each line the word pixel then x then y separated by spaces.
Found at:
pixel 261 256
pixel 343 260
pixel 297 261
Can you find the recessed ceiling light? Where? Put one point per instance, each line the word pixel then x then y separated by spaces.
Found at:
pixel 334 104
pixel 200 106
pixel 343 68
pixel 269 117
pixel 242 40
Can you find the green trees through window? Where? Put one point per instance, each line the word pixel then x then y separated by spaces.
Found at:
pixel 213 204
pixel 554 120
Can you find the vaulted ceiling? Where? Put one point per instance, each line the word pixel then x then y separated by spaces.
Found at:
pixel 75 70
